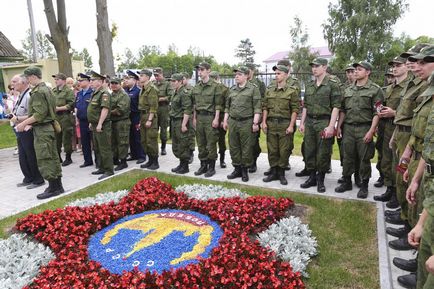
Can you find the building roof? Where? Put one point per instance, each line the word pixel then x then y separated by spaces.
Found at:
pixel 7 51
pixel 322 51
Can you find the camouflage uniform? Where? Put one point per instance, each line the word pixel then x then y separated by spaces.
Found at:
pixel 256 147
pixel 148 103
pixel 65 97
pixel 120 112
pixel 180 104
pixel 164 90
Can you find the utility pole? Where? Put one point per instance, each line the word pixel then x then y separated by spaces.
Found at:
pixel 32 31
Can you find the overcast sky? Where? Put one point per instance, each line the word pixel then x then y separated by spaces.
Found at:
pixel 216 27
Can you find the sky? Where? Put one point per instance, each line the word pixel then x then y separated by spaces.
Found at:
pixel 215 27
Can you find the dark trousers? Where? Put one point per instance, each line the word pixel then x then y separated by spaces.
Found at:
pixel 136 149
pixel 86 139
pixel 27 157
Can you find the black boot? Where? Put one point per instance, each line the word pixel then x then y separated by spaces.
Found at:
pixel 176 169
pixel 116 161
pixel 269 172
pixel 406 265
pixel 347 185
pixel 341 180
pixel 272 175
pixel 320 183
pixel 310 182
pixel 202 169
pixel 408 281
pixel 386 196
pixel 155 165
pixel 253 168
pixel 282 178
pixel 244 174
pixel 363 192
pixel 67 161
pixel 163 148
pixel 184 168
pixel 190 161
pixel 400 232
pixel 222 160
pixel 303 173
pixel 393 203
pixel 59 185
pixel 122 165
pixel 51 191
pixel 148 163
pixel 211 169
pixel 235 174
pixel 357 179
pixel 380 182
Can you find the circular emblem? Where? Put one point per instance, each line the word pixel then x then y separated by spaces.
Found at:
pixel 154 240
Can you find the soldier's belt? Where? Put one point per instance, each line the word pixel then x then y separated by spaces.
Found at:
pixel 241 118
pixel 204 112
pixel 63 112
pixel 389 120
pixel 359 123
pixel 429 167
pixel 404 128
pixel 277 119
pixel 320 116
pixel 416 155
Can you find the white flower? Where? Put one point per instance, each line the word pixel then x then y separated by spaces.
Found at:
pixel 99 199
pixel 207 192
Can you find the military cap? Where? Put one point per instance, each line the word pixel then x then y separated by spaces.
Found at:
pixel 116 80
pixel 389 71
pixel 33 70
pixel 96 75
pixel 285 62
pixel 205 65
pixel 251 66
pixel 177 77
pixel 83 76
pixel 366 65
pixel 133 74
pixel 426 54
pixel 281 67
pixel 158 70
pixel 414 50
pixel 59 76
pixel 214 74
pixel 319 61
pixel 243 69
pixel 145 72
pixel 186 74
pixel 350 67
pixel 398 60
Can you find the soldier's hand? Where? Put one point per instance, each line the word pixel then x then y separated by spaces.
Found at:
pixel 415 235
pixel 264 127
pixel 429 264
pixel 255 127
pixel 405 176
pixel 329 132
pixel 19 127
pixel 215 123
pixel 410 194
pixel 301 128
pixel 339 133
pixel 184 128
pixel 386 112
pixel 289 130
pixel 194 123
pixel 368 137
pixel 99 128
pixel 148 124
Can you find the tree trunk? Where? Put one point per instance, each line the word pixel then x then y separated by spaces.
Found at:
pixel 104 39
pixel 59 34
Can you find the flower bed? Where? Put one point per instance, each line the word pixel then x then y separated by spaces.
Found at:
pixel 237 262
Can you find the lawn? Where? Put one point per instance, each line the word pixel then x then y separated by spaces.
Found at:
pixel 345 230
pixel 7 136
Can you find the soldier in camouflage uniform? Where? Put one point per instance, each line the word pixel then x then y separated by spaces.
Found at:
pixel 192 131
pixel 181 108
pixel 321 108
pixel 242 115
pixel 120 112
pixel 222 132
pixel 98 114
pixel 64 108
pixel 42 104
pixel 360 122
pixel 280 109
pixel 164 92
pixel 208 103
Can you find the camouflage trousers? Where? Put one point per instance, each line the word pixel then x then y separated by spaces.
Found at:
pixel 401 139
pixel 163 121
pixel 206 137
pixel 46 152
pixel 149 136
pixel 425 280
pixel 67 122
pixel 102 146
pixel 413 211
pixel 279 144
pixel 317 150
pixel 180 140
pixel 120 138
pixel 241 140
pixel 387 156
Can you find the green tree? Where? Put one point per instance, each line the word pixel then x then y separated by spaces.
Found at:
pixel 245 51
pixel 128 61
pixel 85 56
pixel 44 47
pixel 361 30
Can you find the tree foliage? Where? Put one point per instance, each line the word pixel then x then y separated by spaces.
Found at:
pixel 245 51
pixel 361 30
pixel 44 47
pixel 84 56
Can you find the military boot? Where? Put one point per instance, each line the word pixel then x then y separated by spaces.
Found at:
pixel 303 173
pixel 116 161
pixel 345 186
pixel 393 202
pixel 163 148
pixel 363 192
pixel 222 160
pixel 67 161
pixel 269 172
pixel 184 168
pixel 320 188
pixel 148 163
pixel 272 175
pixel 202 169
pixel 386 196
pixel 155 165
pixel 244 174
pixel 176 169
pixel 235 174
pixel 380 182
pixel 211 169
pixel 357 179
pixel 51 191
pixel 341 179
pixel 310 182
pixel 282 178
pixel 59 185
pixel 122 165
pixel 253 167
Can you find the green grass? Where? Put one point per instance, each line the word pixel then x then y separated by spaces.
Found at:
pixel 345 230
pixel 7 136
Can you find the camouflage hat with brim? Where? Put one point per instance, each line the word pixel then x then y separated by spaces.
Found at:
pixel 414 50
pixel 426 54
pixel 366 65
pixel 158 70
pixel 96 75
pixel 115 80
pixel 204 65
pixel 282 68
pixel 389 72
pixel 186 74
pixel 132 74
pixel 319 61
pixel 146 72
pixel 83 76
pixel 285 62
pixel 33 70
pixel 214 74
pixel 59 76
pixel 243 69
pixel 177 77
pixel 350 67
pixel 397 60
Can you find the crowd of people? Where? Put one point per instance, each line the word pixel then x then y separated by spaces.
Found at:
pixel 120 119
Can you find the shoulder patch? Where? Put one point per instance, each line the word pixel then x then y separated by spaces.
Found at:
pixel 105 97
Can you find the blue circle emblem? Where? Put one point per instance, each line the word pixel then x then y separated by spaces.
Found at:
pixel 154 240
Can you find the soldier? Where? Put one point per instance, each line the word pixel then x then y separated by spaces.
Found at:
pixel 242 114
pixel 280 109
pixel 148 106
pixel 192 132
pixel 119 114
pixel 208 102
pixel 181 108
pixel 64 108
pixel 164 93
pixel 387 115
pixel 133 90
pixel 98 114
pixel 222 132
pixel 360 121
pixel 320 112
pixel 42 107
